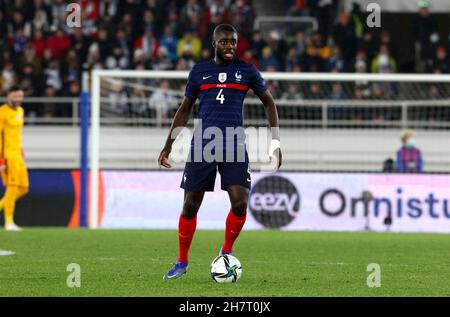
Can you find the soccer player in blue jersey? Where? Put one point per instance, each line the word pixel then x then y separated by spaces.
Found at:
pixel 220 84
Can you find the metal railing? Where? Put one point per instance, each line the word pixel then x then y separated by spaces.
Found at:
pixel 322 107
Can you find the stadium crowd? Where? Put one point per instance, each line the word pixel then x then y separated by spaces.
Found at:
pixel 46 57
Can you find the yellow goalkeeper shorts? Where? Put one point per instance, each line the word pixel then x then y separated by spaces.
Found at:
pixel 16 173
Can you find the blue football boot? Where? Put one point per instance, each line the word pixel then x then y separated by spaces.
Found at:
pixel 178 269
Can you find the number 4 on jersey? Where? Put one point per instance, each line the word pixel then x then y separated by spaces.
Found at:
pixel 220 96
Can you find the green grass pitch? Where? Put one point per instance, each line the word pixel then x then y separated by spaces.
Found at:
pixel 132 263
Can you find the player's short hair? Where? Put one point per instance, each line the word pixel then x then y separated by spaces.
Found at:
pixel 221 28
pixel 14 88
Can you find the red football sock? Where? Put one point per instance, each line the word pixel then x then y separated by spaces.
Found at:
pixel 186 230
pixel 233 227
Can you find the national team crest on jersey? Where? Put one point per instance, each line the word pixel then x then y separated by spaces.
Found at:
pixel 223 77
pixel 238 76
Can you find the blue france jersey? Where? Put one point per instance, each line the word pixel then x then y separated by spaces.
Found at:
pixel 221 90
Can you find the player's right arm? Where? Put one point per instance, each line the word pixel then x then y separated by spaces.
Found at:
pixel 180 120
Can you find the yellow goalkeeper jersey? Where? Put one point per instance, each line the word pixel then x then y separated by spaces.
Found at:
pixel 11 123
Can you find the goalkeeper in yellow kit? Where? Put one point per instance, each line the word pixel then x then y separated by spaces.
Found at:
pixel 12 164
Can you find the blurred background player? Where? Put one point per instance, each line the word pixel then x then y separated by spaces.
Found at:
pixel 12 164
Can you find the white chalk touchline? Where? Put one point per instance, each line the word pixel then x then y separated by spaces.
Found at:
pixel 3 252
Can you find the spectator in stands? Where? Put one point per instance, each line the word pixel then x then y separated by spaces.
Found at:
pixel 148 23
pixel 336 63
pixel 117 60
pixel 49 110
pixel 93 57
pixel 206 54
pixel 107 10
pixel 40 21
pixel 117 99
pixel 409 157
pixel 364 85
pixel 368 45
pixel 38 42
pixel 389 166
pixel 291 59
pixel 292 93
pixel 53 75
pixel 383 61
pixel 59 43
pixel 257 44
pixel 189 13
pixel 441 61
pixel 385 39
pixel 80 43
pixel 189 45
pixel 207 30
pixel 300 42
pixel 324 12
pixel 47 57
pixel 19 41
pixel 217 9
pixel 127 24
pixel 249 58
pixel 173 21
pixel 148 43
pixel 242 16
pixel 59 14
pixel 316 43
pixel 90 12
pixel 122 41
pixel 8 78
pixel 3 26
pixel 314 92
pixel 344 36
pixel 278 47
pixel 268 59
pixel 70 68
pixel 424 26
pixel 18 22
pixel 170 42
pixel 162 61
pixel 433 92
pixel 273 85
pixel 337 92
pixel 163 99
pixel 29 58
pixel 311 61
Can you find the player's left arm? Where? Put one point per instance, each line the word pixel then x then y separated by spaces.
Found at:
pixel 272 116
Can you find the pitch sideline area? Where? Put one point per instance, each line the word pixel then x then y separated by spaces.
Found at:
pixel 275 263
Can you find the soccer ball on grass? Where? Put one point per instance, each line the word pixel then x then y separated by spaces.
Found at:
pixel 226 269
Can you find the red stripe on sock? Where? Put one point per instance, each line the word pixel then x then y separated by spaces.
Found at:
pixel 186 230
pixel 233 227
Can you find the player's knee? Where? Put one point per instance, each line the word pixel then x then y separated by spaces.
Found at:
pixel 190 209
pixel 239 207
